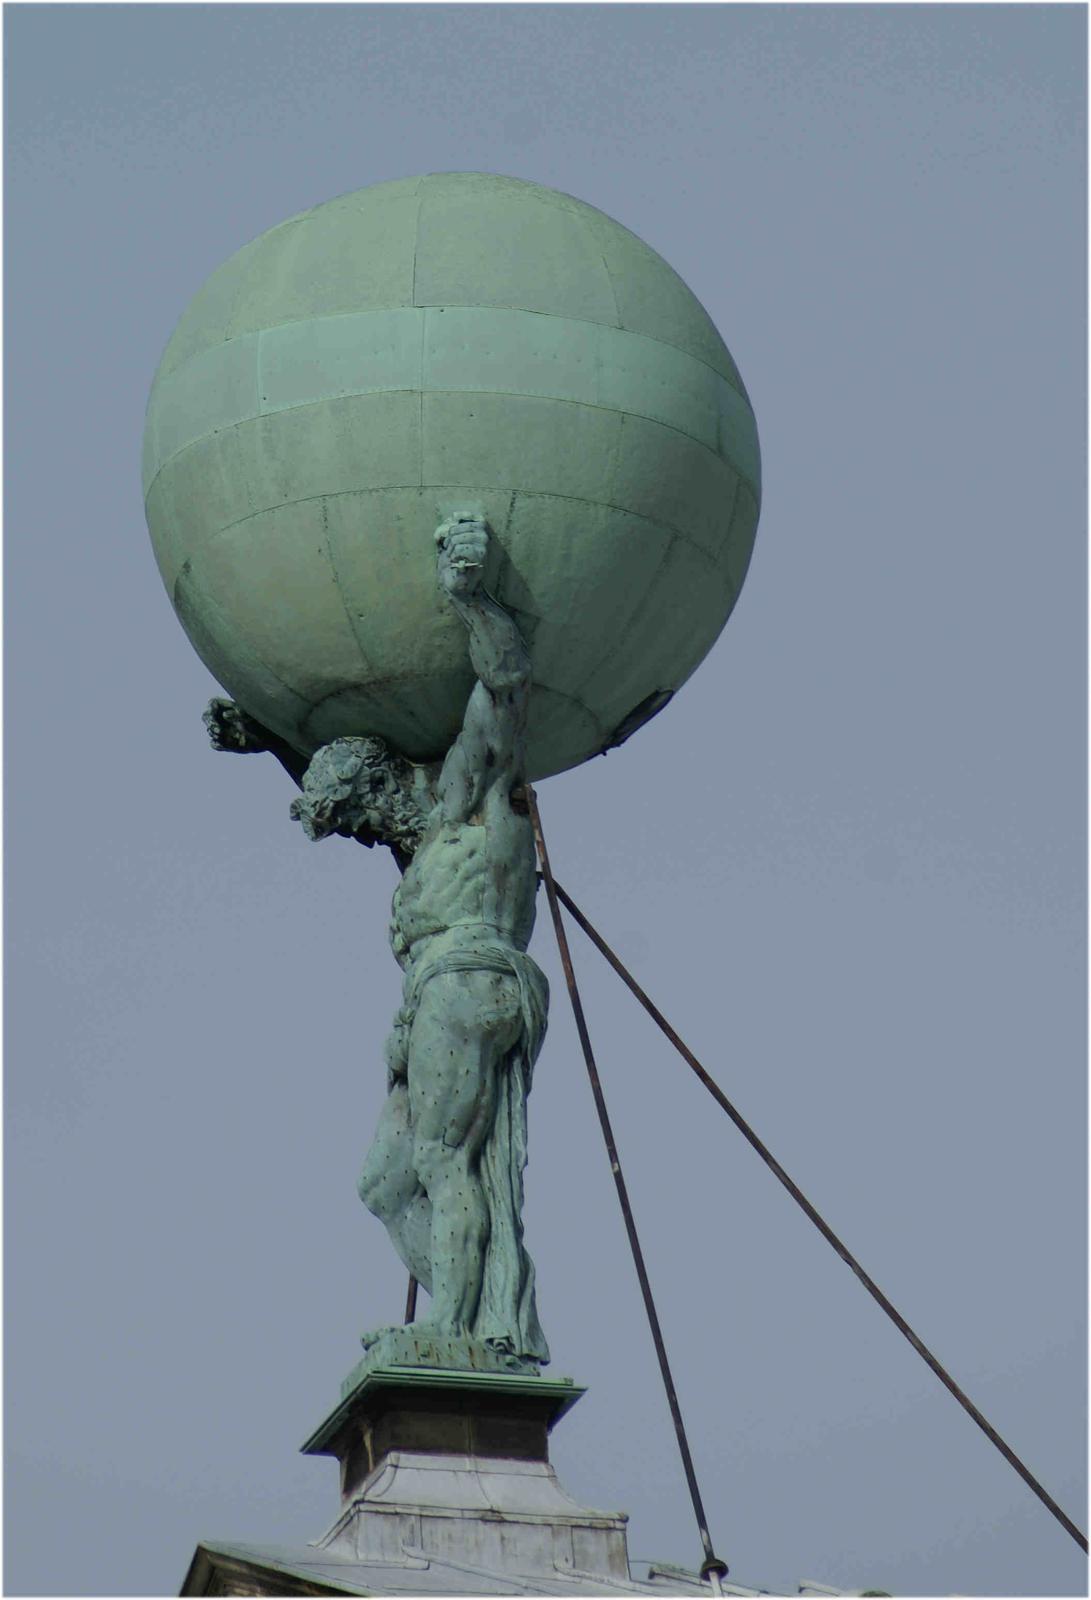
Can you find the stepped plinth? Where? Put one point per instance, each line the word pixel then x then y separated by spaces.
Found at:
pixel 446 1487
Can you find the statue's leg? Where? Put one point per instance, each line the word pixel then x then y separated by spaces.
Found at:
pixel 465 1025
pixel 391 1190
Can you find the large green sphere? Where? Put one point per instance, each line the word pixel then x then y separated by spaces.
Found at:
pixel 454 342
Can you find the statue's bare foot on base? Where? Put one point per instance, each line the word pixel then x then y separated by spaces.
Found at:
pixel 428 1328
pixel 373 1335
pixel 505 1350
pixel 423 1327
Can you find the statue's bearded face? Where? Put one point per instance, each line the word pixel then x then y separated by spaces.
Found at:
pixel 356 787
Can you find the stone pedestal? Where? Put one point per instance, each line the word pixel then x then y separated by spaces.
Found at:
pixel 446 1488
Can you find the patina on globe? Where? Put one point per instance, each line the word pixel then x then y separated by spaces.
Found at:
pixel 456 342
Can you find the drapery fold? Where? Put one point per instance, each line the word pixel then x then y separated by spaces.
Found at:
pixel 507 1315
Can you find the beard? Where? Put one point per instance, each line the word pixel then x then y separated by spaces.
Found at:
pixel 357 788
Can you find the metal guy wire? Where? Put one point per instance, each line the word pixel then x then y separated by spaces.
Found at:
pixel 712 1567
pixel 823 1227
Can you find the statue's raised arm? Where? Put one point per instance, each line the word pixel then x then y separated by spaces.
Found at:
pixel 445 1170
pixel 490 750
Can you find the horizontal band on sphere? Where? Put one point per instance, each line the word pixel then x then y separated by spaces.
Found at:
pixel 508 446
pixel 305 605
pixel 455 349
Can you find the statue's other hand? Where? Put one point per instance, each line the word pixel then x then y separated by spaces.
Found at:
pixel 230 728
pixel 463 545
pixel 396 1054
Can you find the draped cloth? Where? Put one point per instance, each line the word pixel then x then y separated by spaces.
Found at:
pixel 507 1314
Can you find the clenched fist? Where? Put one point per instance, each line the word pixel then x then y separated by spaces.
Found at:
pixel 463 544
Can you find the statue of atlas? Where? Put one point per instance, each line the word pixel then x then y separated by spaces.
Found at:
pixel 445 1170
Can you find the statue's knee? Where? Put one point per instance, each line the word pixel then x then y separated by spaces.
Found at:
pixel 377 1192
pixel 435 1161
pixel 368 1189
pixel 387 1181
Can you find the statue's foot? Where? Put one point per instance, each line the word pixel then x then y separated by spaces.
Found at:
pixel 432 1328
pixel 505 1349
pixel 373 1335
pixel 423 1327
pixel 427 1340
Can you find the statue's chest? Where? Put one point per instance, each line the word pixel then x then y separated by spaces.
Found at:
pixel 446 874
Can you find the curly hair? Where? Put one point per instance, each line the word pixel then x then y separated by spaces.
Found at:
pixel 361 789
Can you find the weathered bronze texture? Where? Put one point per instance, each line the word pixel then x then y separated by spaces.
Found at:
pixel 445 1170
pixel 345 380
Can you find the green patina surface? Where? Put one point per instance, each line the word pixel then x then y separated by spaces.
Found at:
pixel 355 374
pixel 511 363
pixel 445 1170
pixel 404 1348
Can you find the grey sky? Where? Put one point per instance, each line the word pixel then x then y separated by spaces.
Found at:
pixel 848 861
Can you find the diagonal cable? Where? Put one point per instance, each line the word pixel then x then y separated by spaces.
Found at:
pixel 823 1227
pixel 712 1567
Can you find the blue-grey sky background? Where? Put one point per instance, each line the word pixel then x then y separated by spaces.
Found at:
pixel 848 861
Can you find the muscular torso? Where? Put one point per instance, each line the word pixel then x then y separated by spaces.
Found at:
pixel 469 881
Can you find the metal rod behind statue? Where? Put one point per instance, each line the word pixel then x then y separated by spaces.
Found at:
pixel 712 1567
